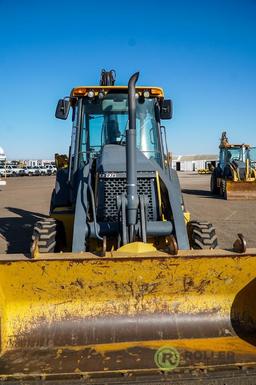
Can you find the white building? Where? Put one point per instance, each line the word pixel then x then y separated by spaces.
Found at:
pixel 193 162
pixel 2 156
pixel 2 165
pixel 38 162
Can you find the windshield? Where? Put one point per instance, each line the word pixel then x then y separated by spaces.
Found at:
pixel 234 154
pixel 106 122
pixel 251 154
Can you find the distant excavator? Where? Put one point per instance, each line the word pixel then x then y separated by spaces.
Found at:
pixel 235 175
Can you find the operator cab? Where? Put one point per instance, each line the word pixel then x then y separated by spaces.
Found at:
pixel 251 155
pixel 232 154
pixel 105 121
pixel 100 118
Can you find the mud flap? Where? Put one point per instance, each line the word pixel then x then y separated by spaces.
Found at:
pixel 138 319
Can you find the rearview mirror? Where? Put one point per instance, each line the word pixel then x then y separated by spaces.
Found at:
pixel 166 109
pixel 62 109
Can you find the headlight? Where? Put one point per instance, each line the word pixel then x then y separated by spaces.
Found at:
pixel 146 94
pixel 91 94
pixel 101 94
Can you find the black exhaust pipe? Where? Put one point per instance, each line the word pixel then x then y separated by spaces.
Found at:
pixel 131 169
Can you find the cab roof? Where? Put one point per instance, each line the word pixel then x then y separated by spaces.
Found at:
pixel 228 145
pixel 83 90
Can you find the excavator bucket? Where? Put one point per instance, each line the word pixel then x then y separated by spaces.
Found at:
pixel 240 190
pixel 125 318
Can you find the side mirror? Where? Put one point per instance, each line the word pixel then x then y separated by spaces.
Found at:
pixel 166 109
pixel 62 109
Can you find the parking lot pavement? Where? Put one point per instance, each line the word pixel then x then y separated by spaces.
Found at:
pixel 229 217
pixel 25 200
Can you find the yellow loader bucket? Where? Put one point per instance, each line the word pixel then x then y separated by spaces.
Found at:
pixel 119 319
pixel 240 190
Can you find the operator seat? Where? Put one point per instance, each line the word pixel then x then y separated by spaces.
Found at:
pixel 112 132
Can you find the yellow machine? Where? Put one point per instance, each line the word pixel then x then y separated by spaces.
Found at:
pixel 207 170
pixel 104 300
pixel 204 171
pixel 235 175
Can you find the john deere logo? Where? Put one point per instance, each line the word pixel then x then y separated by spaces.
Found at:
pixel 167 358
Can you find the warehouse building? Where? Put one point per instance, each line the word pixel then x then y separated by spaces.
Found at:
pixel 193 162
pixel 2 156
pixel 38 162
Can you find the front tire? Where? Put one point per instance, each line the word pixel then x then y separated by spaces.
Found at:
pixel 49 236
pixel 214 188
pixel 202 235
pixel 223 188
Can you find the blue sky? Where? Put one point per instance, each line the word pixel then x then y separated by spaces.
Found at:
pixel 202 52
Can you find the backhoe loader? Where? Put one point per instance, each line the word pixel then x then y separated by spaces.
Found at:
pixel 121 287
pixel 235 175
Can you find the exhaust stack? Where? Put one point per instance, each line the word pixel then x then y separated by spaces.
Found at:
pixel 131 170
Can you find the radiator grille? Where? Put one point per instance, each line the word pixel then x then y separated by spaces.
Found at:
pixel 113 187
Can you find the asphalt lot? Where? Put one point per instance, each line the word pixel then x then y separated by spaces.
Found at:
pixel 229 217
pixel 25 200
